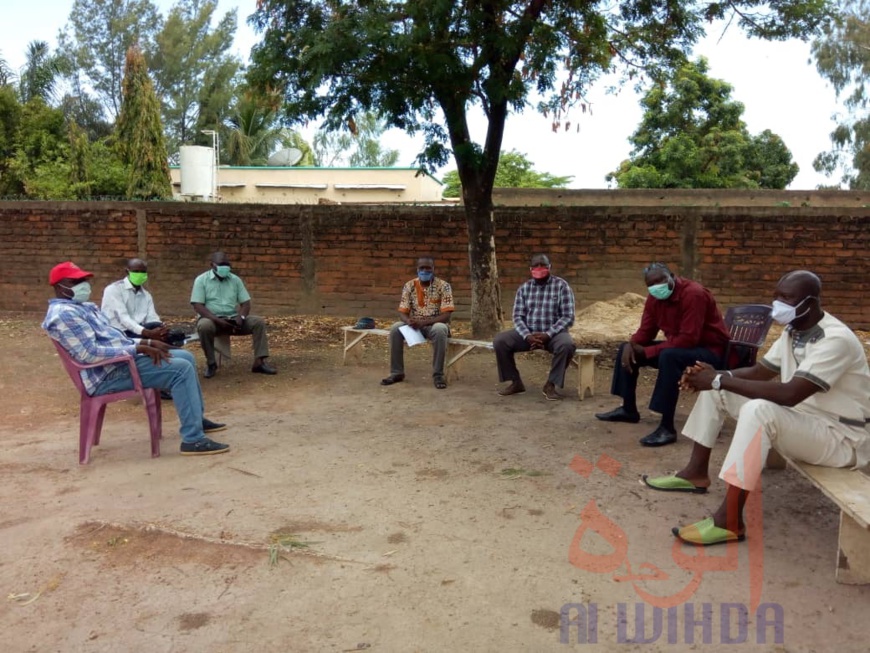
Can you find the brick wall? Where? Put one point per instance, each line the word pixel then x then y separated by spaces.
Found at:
pixel 352 260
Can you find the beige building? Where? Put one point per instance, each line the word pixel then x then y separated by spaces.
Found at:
pixel 298 185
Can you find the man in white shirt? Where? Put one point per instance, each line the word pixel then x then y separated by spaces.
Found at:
pixel 130 308
pixel 818 411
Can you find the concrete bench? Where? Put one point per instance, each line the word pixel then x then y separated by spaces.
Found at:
pixel 458 348
pixel 850 490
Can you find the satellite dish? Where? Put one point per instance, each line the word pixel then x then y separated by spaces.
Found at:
pixel 286 157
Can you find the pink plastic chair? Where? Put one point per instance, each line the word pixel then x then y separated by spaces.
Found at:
pixel 93 409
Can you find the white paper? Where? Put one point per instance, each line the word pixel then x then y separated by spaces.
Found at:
pixel 412 336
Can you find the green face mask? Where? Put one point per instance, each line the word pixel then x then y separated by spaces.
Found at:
pixel 223 271
pixel 137 278
pixel 661 290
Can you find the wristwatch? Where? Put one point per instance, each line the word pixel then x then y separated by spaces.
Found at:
pixel 717 382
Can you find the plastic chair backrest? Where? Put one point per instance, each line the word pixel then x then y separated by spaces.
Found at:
pixel 748 326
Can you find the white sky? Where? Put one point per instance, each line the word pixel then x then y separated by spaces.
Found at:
pixel 779 88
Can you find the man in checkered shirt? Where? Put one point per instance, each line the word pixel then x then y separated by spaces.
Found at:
pixel 543 313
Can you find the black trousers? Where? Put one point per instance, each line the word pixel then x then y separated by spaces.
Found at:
pixel 670 363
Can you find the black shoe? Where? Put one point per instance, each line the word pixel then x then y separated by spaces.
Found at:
pixel 393 378
pixel 211 370
pixel 210 427
pixel 619 415
pixel 658 438
pixel 165 395
pixel 263 368
pixel 203 447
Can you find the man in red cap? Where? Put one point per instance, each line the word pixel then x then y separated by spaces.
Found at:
pixel 85 332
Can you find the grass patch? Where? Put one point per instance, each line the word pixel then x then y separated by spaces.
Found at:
pixel 509 473
pixel 285 543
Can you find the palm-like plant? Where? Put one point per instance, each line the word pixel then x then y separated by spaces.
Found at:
pixel 253 133
pixel 7 75
pixel 41 72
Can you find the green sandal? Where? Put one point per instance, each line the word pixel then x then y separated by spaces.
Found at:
pixel 672 484
pixel 706 533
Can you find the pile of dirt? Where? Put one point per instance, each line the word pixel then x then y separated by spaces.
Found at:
pixel 609 322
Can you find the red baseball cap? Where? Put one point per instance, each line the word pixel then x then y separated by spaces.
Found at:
pixel 67 270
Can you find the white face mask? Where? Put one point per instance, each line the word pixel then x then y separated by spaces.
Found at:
pixel 81 292
pixel 783 313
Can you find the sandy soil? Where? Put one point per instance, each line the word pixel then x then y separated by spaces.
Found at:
pixel 350 516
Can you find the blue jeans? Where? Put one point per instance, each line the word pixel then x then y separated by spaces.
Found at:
pixel 178 375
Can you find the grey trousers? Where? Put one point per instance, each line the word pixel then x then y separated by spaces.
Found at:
pixel 437 334
pixel 253 325
pixel 507 343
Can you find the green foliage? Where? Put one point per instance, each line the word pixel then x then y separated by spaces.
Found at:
pixel 253 132
pixel 192 68
pixel 10 119
pixel 96 40
pixel 359 146
pixel 139 134
pixel 843 58
pixel 41 73
pixel 514 171
pixel 692 136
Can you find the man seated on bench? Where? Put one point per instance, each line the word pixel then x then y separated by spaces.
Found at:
pixel 543 312
pixel 426 305
pixel 223 304
pixel 687 314
pixel 817 413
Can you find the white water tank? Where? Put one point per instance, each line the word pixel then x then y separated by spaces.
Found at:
pixel 197 171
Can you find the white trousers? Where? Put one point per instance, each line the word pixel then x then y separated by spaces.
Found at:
pixel 762 424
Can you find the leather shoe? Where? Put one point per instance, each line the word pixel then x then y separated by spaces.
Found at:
pixel 210 427
pixel 393 378
pixel 658 438
pixel 515 388
pixel 263 368
pixel 549 391
pixel 211 370
pixel 619 415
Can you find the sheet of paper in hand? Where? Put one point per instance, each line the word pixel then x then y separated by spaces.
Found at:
pixel 412 336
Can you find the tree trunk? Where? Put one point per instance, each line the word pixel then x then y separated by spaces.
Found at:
pixel 486 313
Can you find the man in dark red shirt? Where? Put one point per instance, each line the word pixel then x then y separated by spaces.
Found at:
pixel 694 331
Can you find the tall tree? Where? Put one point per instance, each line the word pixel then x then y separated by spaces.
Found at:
pixel 7 75
pixel 514 171
pixel 41 73
pixel 692 135
pixel 843 58
pixel 192 66
pixel 424 63
pixel 10 120
pixel 97 38
pixel 358 146
pixel 253 132
pixel 139 132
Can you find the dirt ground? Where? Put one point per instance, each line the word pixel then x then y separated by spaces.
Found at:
pixel 350 516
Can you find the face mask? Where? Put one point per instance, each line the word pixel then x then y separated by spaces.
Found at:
pixel 783 313
pixel 223 271
pixel 661 290
pixel 540 273
pixel 81 292
pixel 137 278
pixel 424 275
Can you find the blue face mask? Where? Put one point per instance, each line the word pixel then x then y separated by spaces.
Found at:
pixel 661 290
pixel 223 271
pixel 81 292
pixel 425 275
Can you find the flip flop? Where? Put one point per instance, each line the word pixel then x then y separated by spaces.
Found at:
pixel 672 484
pixel 706 533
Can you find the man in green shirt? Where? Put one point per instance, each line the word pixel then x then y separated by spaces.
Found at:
pixel 223 304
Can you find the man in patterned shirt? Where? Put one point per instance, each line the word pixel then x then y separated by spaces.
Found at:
pixel 85 332
pixel 543 312
pixel 426 305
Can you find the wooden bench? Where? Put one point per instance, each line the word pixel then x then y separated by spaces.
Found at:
pixel 850 490
pixel 458 348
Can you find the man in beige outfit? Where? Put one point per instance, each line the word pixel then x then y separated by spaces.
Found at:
pixel 818 412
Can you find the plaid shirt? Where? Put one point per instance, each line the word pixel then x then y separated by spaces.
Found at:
pixel 544 307
pixel 88 337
